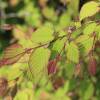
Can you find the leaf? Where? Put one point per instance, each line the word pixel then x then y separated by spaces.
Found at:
pixel 89 9
pixel 27 43
pixel 64 21
pixel 77 71
pixel 88 45
pixel 15 71
pixel 85 42
pixel 12 54
pixel 49 13
pixel 62 33
pixel 70 68
pixel 97 29
pixel 77 24
pixel 76 33
pixel 9 61
pixel 38 64
pixel 73 52
pixel 33 19
pixel 89 92
pixel 82 38
pixel 3 86
pixel 73 7
pixel 89 29
pixel 58 82
pixel 58 45
pixel 92 66
pixel 86 90
pixel 25 57
pixel 19 32
pixel 13 50
pixel 52 66
pixel 43 35
pixel 25 94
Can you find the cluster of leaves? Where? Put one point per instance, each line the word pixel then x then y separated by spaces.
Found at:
pixel 55 60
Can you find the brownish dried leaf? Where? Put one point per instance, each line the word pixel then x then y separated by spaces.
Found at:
pixel 78 70
pixel 58 83
pixel 92 66
pixel 3 86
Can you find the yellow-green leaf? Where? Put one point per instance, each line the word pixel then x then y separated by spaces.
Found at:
pixel 49 13
pixel 89 9
pixel 86 42
pixel 43 35
pixel 25 94
pixel 38 64
pixel 73 52
pixel 97 29
pixel 89 29
pixel 58 45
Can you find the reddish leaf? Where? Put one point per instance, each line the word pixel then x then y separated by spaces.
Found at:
pixel 12 54
pixel 52 67
pixel 13 50
pixel 92 66
pixel 9 61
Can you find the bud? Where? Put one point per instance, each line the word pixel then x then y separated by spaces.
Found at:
pixel 92 66
pixel 71 29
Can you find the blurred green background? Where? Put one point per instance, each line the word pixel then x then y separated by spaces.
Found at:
pixel 18 19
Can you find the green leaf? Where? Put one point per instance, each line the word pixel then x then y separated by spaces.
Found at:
pixel 85 42
pixel 49 13
pixel 38 65
pixel 43 35
pixel 73 52
pixel 89 91
pixel 64 21
pixel 82 38
pixel 89 9
pixel 34 17
pixel 97 29
pixel 70 68
pixel 15 71
pixel 58 45
pixel 86 90
pixel 89 29
pixel 88 45
pixel 77 24
pixel 12 72
pixel 62 33
pixel 27 43
pixel 25 94
pixel 73 7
